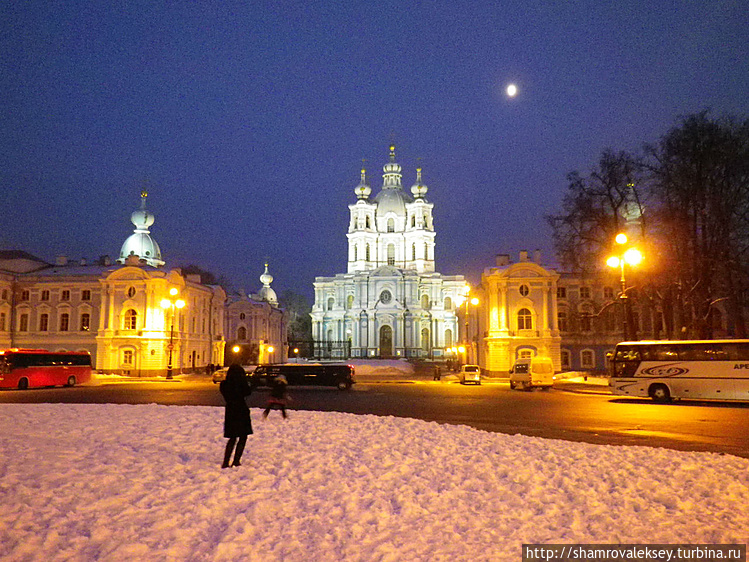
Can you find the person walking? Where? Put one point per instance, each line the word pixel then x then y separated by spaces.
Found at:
pixel 277 397
pixel 237 422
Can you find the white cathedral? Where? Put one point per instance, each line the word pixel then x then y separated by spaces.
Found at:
pixel 390 302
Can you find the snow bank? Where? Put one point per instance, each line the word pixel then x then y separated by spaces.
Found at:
pixel 118 482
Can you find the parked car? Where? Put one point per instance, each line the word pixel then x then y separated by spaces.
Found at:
pixel 220 374
pixel 340 376
pixel 534 372
pixel 470 373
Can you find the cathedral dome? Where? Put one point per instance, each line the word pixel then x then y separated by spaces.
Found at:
pixel 363 190
pixel 140 243
pixel 419 189
pixel 392 200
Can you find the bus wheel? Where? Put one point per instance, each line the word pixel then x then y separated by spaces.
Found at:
pixel 23 384
pixel 659 393
pixel 71 381
pixel 343 385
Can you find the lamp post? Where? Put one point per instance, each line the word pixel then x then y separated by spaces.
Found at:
pixel 172 303
pixel 630 256
pixel 468 342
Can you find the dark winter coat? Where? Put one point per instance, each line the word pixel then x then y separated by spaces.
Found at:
pixel 235 388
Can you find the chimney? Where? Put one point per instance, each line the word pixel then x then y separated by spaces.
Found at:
pixel 523 255
pixel 503 260
pixel 537 256
pixel 61 260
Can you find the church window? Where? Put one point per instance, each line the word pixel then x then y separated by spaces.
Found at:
pixel 425 302
pixel 525 319
pixel 391 225
pixel 64 322
pixel 413 252
pixel 242 333
pixel 448 303
pixel 131 319
pixel 425 339
pixel 44 322
pixel 391 254
pixel 386 296
pixel 356 253
pixel 413 221
pixel 349 302
pixel 367 223
pixel 45 295
pixel 85 322
pixel 242 316
pixel 426 252
pixel 367 257
pixel 524 290
pixel 131 292
pixel 23 323
pixel 331 303
pixel 448 338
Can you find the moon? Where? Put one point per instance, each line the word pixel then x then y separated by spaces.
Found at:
pixel 512 90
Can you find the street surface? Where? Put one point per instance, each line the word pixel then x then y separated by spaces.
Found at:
pixel 574 414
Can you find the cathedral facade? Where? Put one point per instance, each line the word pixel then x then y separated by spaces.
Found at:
pixel 391 302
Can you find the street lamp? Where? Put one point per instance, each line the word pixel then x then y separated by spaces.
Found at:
pixel 474 301
pixel 172 303
pixel 631 257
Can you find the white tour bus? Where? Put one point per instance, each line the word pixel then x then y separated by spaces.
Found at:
pixel 699 369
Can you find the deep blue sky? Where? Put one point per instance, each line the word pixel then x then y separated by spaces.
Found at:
pixel 249 120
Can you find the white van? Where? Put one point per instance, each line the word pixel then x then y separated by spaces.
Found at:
pixel 528 373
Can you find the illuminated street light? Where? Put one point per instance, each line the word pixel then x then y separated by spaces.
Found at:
pixel 630 257
pixel 468 342
pixel 173 304
pixel 236 349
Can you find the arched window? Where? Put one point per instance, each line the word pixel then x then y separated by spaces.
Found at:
pixel 413 221
pixel 426 252
pixel 413 252
pixel 448 303
pixel 562 321
pixel 425 339
pixel 367 252
pixel 331 303
pixel 425 302
pixel 525 319
pixel 349 302
pixel 242 316
pixel 391 253
pixel 242 333
pixel 391 224
pixel 356 253
pixel 367 223
pixel 131 320
pixel 448 338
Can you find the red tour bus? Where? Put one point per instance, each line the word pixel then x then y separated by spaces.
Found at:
pixel 27 368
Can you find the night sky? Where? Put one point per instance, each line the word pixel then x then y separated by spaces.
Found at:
pixel 248 122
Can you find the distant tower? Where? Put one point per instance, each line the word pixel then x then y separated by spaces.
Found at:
pixel 266 293
pixel 140 243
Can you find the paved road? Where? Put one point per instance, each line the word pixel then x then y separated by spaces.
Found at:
pixel 558 414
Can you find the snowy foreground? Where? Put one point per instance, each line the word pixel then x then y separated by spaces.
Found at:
pixel 120 483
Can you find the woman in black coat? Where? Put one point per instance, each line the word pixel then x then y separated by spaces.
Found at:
pixel 237 422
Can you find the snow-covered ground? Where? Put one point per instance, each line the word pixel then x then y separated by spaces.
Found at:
pixel 120 483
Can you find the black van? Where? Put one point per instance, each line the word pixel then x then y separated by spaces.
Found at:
pixel 340 376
